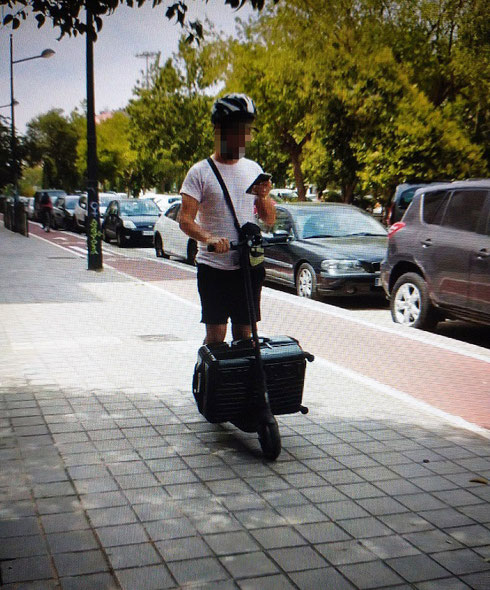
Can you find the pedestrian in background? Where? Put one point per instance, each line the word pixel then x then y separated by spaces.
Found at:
pixel 46 211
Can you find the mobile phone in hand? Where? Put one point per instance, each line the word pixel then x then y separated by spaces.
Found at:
pixel 262 177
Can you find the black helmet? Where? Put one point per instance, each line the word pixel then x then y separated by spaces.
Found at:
pixel 233 107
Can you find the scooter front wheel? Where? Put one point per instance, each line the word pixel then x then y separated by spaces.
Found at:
pixel 270 439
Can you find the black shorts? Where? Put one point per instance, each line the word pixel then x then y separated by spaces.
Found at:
pixel 223 295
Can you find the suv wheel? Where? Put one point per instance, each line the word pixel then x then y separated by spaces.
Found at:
pixel 410 303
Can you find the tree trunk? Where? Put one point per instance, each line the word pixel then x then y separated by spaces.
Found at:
pixel 298 175
pixel 295 151
pixel 348 193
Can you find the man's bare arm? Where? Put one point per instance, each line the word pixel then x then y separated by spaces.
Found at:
pixel 189 226
pixel 266 209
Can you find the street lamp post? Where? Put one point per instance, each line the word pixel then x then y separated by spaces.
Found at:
pixel 94 242
pixel 13 140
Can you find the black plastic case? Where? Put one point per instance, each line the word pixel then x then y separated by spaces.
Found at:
pixel 225 378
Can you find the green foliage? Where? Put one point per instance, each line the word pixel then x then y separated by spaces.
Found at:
pixel 68 15
pixel 272 71
pixel 116 159
pixel 356 95
pixel 383 91
pixel 51 141
pixel 170 126
pixel 31 180
pixel 421 143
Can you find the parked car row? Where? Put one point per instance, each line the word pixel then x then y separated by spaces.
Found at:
pixel 433 263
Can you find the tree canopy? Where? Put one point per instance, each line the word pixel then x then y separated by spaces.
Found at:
pixel 170 127
pixel 373 92
pixel 68 15
pixel 352 95
pixel 51 142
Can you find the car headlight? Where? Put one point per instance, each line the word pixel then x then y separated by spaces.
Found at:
pixel 128 224
pixel 340 267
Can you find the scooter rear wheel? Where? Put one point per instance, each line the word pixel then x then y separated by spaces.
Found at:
pixel 270 440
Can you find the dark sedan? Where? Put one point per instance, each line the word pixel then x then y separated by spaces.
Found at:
pixel 130 220
pixel 332 249
pixel 63 209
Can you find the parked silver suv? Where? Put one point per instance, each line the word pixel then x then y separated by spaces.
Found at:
pixel 438 259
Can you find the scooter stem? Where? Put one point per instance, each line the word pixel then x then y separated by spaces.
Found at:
pixel 259 364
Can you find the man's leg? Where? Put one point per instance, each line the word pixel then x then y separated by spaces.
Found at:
pixel 241 331
pixel 215 333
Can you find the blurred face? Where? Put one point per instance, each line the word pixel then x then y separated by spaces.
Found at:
pixel 232 140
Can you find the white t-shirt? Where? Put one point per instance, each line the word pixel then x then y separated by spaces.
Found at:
pixel 214 215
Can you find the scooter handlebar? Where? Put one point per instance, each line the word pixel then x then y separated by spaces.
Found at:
pixel 265 242
pixel 211 247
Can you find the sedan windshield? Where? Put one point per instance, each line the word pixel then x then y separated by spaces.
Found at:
pixel 336 222
pixel 139 207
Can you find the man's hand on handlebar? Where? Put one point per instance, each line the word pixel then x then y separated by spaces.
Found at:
pixel 218 245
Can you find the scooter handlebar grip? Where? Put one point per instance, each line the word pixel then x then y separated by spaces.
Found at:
pixel 212 248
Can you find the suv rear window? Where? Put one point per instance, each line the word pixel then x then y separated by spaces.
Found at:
pixel 434 206
pixel 465 209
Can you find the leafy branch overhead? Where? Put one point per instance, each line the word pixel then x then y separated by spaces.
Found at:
pixel 69 15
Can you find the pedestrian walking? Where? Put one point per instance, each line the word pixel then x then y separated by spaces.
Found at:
pixel 46 211
pixel 211 218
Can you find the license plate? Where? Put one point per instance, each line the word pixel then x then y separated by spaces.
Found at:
pixel 147 233
pixel 377 282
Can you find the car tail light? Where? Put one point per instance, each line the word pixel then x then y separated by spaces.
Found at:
pixel 395 227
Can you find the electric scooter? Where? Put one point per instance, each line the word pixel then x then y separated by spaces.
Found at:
pixel 256 399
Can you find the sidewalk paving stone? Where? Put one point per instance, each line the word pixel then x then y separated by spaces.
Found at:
pixel 205 569
pixel 314 579
pixel 103 581
pixel 184 549
pixel 154 577
pixel 133 556
pixel 77 563
pixel 373 574
pixel 72 541
pixel 25 569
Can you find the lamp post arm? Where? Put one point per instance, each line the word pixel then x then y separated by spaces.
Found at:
pixel 17 61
